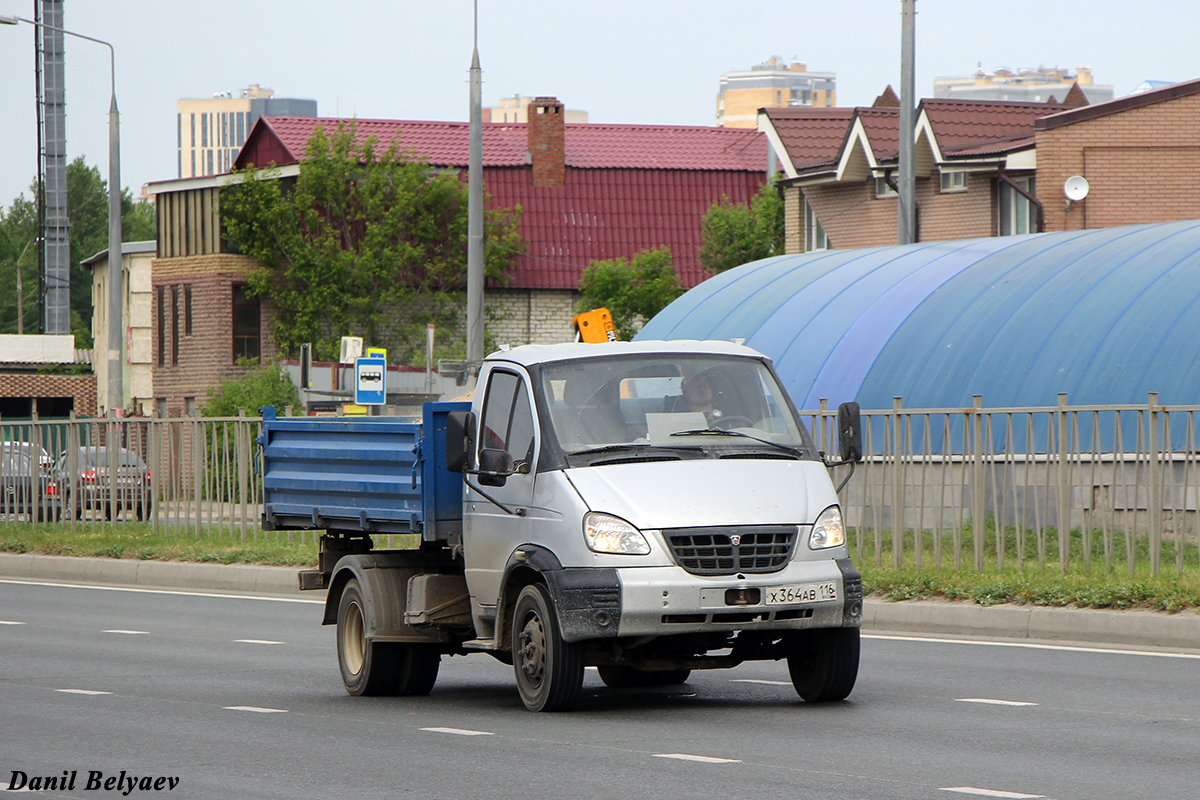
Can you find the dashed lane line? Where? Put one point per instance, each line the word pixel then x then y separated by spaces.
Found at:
pixel 128 633
pixel 764 683
pixel 81 691
pixel 987 701
pixel 459 731
pixel 256 641
pixel 701 759
pixel 257 709
pixel 10 622
pixel 990 793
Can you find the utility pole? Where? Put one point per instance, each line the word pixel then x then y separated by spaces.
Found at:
pixel 906 224
pixel 475 212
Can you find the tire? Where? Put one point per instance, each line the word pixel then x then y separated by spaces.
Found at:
pixel 823 663
pixel 549 671
pixel 379 668
pixel 619 676
pixel 670 677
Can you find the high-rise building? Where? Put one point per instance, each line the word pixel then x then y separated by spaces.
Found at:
pixel 772 84
pixel 210 132
pixel 1023 85
pixel 514 109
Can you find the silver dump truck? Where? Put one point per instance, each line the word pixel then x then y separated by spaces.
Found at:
pixel 647 508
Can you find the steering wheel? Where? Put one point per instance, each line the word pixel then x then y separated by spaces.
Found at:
pixel 725 423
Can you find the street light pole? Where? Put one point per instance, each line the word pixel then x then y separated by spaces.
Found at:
pixel 116 338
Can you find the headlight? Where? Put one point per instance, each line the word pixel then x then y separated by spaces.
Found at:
pixel 608 534
pixel 828 530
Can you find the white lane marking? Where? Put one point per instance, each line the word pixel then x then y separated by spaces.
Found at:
pixel 10 622
pixel 989 792
pixel 994 702
pixel 81 691
pixel 459 731
pixel 765 683
pixel 703 759
pixel 264 598
pixel 1031 646
pixel 256 641
pixel 129 633
pixel 257 709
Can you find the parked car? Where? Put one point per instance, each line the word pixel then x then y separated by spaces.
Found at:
pixel 85 481
pixel 27 485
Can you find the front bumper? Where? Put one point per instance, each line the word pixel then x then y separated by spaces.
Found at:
pixel 662 601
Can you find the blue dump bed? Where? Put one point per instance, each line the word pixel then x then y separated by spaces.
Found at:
pixel 361 474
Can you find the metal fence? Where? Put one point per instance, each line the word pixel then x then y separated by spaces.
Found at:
pixel 1112 487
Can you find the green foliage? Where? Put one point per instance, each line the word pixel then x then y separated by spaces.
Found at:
pixel 733 234
pixel 87 207
pixel 260 386
pixel 365 241
pixel 632 290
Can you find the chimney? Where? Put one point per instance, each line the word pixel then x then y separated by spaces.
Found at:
pixel 544 134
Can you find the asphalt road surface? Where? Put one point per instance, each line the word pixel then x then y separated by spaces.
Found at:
pixel 240 697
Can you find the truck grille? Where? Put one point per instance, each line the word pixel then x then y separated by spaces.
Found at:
pixel 711 551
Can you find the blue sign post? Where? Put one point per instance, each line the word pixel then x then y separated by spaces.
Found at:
pixel 370 381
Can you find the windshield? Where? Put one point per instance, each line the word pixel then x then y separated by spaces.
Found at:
pixel 670 401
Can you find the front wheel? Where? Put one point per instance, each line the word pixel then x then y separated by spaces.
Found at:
pixel 823 663
pixel 549 670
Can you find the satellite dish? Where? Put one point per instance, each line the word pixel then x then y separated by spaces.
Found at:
pixel 1076 188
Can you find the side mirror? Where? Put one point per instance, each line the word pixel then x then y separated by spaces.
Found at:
pixel 849 433
pixel 494 467
pixel 460 440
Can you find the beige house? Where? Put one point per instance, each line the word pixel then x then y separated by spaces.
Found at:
pixel 772 84
pixel 136 379
pixel 516 109
pixel 209 132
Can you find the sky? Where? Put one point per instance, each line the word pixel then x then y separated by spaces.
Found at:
pixel 622 61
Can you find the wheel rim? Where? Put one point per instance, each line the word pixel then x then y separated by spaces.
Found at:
pixel 533 651
pixel 352 638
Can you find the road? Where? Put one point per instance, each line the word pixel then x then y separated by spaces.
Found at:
pixel 240 697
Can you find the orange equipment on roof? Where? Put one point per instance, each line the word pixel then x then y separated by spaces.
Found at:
pixel 594 326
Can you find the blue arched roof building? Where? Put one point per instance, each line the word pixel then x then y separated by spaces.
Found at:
pixel 1104 315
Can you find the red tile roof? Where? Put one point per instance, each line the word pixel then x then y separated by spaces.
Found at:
pixel 628 187
pixel 813 137
pixel 963 125
pixel 504 144
pixel 882 126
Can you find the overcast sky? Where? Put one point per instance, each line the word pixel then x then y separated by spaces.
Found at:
pixel 643 61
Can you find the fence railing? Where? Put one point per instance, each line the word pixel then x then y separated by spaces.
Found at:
pixel 1113 486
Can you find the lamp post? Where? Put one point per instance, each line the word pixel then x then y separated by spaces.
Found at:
pixel 116 339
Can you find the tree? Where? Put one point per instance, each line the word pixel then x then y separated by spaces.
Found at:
pixel 259 386
pixel 734 234
pixel 364 242
pixel 632 290
pixel 87 209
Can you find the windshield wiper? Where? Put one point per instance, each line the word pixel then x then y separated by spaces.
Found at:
pixel 608 448
pixel 723 432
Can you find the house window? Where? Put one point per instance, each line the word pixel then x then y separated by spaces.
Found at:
pixel 175 325
pixel 204 130
pixel 1017 215
pixel 162 324
pixel 814 234
pixel 246 323
pixel 189 406
pixel 882 189
pixel 187 310
pixel 954 181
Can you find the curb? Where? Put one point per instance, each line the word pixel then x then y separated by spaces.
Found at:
pixel 1140 628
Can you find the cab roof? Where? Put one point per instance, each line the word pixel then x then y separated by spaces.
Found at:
pixel 530 354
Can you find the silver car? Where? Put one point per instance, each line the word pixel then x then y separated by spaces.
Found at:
pixel 87 482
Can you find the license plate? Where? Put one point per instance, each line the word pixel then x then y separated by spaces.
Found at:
pixel 804 593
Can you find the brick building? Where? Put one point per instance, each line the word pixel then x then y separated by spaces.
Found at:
pixel 26 391
pixel 587 192
pixel 986 168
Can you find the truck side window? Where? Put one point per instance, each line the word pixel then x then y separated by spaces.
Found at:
pixel 508 417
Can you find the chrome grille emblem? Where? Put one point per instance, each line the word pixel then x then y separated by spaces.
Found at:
pixel 735 540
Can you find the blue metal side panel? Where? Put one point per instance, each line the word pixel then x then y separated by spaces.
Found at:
pixel 343 473
pixel 444 489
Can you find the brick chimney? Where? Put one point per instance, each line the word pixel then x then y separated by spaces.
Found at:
pixel 544 134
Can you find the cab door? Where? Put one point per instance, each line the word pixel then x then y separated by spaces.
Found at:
pixel 490 534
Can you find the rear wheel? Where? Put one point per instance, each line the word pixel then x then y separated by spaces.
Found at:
pixel 549 670
pixel 371 668
pixel 823 663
